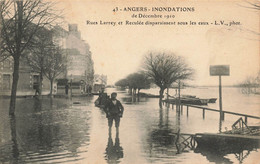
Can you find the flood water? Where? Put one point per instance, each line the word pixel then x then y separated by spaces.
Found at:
pixel 61 130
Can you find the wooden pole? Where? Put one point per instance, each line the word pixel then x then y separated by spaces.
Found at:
pixel 220 99
pixel 187 110
pixel 179 95
pixel 246 120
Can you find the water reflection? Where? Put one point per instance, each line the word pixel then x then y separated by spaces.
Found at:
pixel 161 138
pixel 37 106
pixel 220 125
pixel 133 99
pixel 218 153
pixel 15 150
pixel 46 130
pixel 114 152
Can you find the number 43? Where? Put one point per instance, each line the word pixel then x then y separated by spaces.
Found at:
pixel 115 9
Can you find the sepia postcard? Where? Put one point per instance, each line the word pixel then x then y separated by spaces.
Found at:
pixel 131 82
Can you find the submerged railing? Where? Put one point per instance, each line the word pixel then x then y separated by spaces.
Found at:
pixel 204 109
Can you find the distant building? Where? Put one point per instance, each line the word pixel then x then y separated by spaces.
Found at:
pixel 100 79
pixel 99 82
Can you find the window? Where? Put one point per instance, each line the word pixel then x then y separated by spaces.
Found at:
pixel 6 82
pixel 35 81
pixel 7 64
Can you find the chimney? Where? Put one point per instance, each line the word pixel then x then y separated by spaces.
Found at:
pixel 73 29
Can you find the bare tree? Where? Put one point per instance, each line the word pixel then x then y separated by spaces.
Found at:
pixel 20 21
pixel 255 5
pixel 138 81
pixel 123 83
pixel 41 45
pixel 54 64
pixel 164 69
pixel 250 85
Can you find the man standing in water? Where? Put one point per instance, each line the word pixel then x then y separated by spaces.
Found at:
pixel 114 111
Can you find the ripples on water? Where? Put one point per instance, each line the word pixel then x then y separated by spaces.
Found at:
pixel 52 130
pixel 60 131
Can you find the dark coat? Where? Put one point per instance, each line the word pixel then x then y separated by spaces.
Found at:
pixel 114 109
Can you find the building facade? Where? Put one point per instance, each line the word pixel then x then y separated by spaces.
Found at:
pixel 28 79
pixel 79 66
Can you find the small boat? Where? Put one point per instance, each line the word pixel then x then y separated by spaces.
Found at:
pixel 212 100
pixel 204 101
pixel 194 101
pixel 191 101
pixel 188 96
pixel 148 95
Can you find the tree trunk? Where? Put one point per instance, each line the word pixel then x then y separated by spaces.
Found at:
pixel 14 86
pixel 161 96
pixel 16 58
pixel 51 87
pixel 15 150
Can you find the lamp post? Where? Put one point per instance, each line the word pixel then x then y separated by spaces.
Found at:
pixel 179 95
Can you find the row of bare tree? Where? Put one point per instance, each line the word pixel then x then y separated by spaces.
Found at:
pixel 45 57
pixel 25 34
pixel 160 68
pixel 251 85
pixel 135 82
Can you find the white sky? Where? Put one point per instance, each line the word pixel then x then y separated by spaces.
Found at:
pixel 118 51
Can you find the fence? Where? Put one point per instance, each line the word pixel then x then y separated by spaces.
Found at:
pixel 204 109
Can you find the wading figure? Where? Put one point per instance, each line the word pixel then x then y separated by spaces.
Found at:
pixel 102 97
pixel 114 111
pixel 37 90
pixel 67 89
pixel 89 90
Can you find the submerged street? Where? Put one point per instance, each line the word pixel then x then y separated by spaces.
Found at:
pixel 61 130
